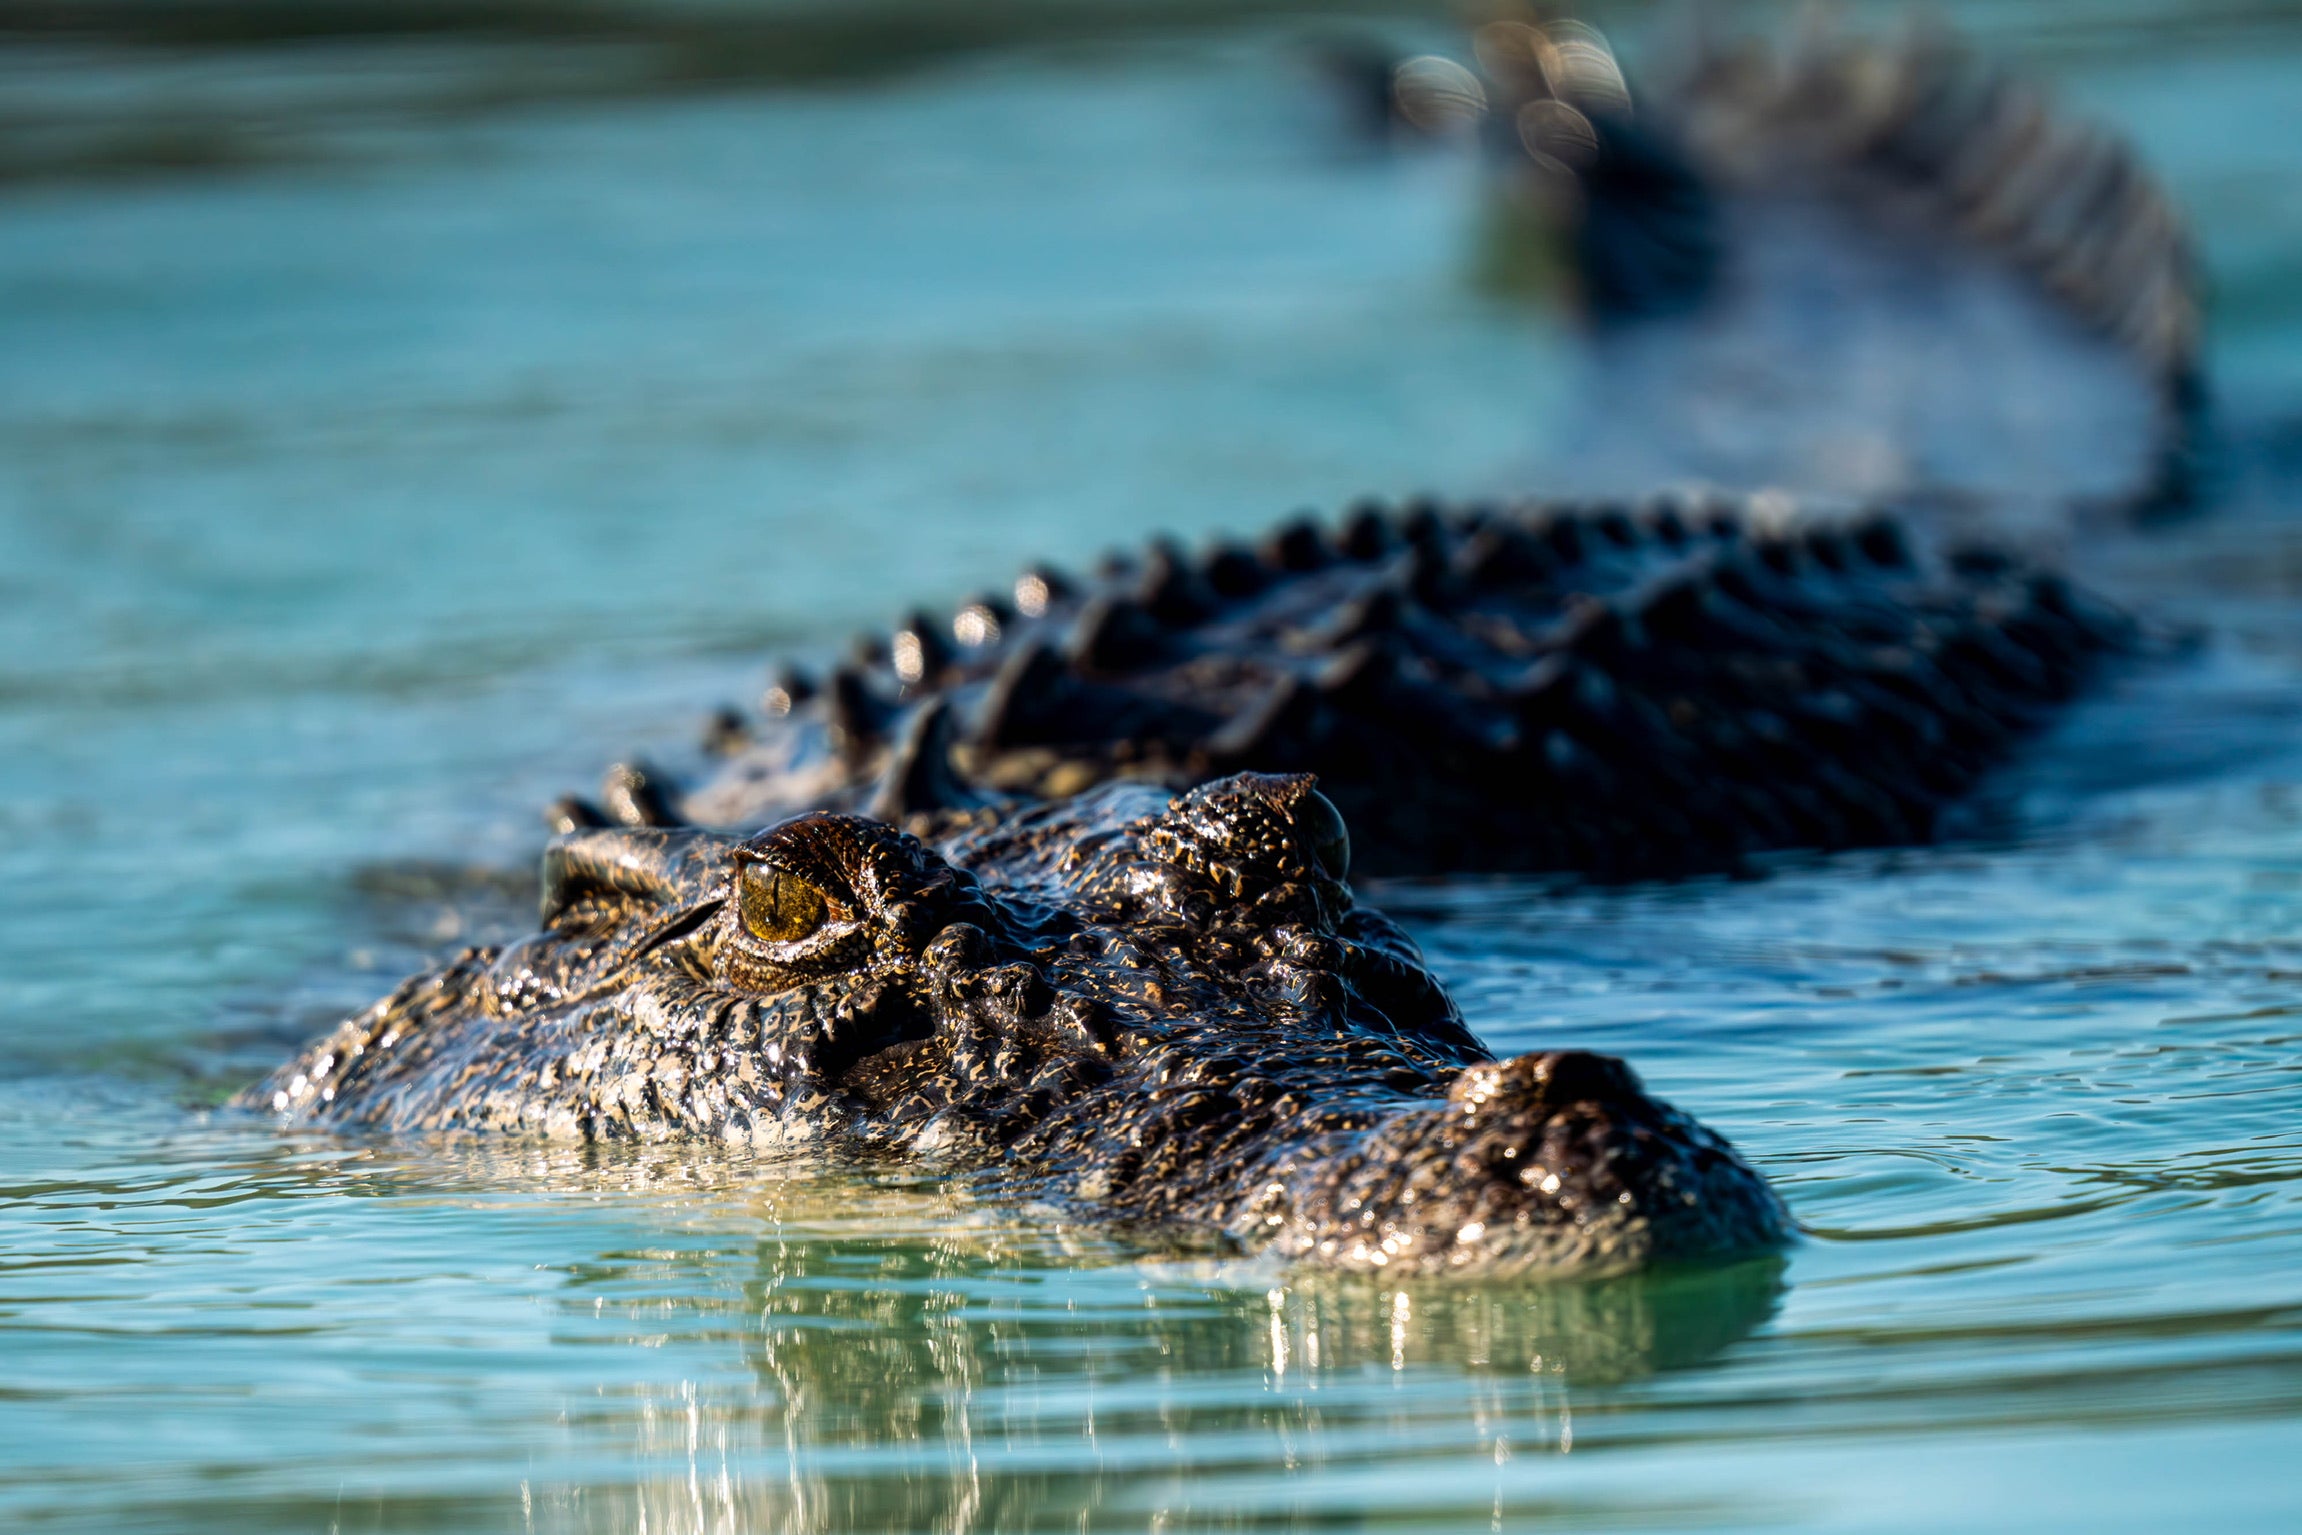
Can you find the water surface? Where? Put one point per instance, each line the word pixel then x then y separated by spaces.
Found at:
pixel 476 411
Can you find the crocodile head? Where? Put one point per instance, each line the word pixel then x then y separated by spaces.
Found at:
pixel 1162 1012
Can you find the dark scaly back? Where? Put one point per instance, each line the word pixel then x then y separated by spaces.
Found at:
pixel 1614 690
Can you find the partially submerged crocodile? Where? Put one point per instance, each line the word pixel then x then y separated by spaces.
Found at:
pixel 1621 691
pixel 977 929
pixel 1880 271
pixel 1167 1015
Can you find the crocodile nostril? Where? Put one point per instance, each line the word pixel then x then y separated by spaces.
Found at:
pixel 1546 1080
pixel 1320 826
pixel 1572 1076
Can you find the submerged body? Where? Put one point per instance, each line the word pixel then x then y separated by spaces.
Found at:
pixel 1158 1013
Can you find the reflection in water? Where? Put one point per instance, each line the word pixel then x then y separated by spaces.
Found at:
pixel 914 1360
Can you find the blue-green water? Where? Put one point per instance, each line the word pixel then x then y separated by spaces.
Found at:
pixel 491 421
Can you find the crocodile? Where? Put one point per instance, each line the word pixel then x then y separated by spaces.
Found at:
pixel 1162 1013
pixel 1796 268
pixel 1054 891
pixel 1618 691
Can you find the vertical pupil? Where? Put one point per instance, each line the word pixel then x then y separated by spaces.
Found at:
pixel 778 908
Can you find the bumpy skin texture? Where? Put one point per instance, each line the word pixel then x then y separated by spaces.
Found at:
pixel 1155 1012
pixel 1620 691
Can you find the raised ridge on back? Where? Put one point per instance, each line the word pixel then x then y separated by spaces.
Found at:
pixel 1615 690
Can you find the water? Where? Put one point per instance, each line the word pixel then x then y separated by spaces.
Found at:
pixel 390 435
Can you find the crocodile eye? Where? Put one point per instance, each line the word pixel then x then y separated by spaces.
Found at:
pixel 778 907
pixel 1320 825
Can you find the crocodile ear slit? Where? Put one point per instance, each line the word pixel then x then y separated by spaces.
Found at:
pixel 678 925
pixel 652 865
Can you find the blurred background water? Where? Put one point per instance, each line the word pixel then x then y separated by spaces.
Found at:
pixel 405 410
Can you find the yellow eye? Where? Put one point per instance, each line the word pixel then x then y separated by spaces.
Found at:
pixel 777 907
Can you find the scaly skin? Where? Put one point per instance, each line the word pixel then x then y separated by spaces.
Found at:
pixel 1616 691
pixel 1165 1014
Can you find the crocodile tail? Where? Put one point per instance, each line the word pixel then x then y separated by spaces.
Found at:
pixel 1902 272
pixel 1922 116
